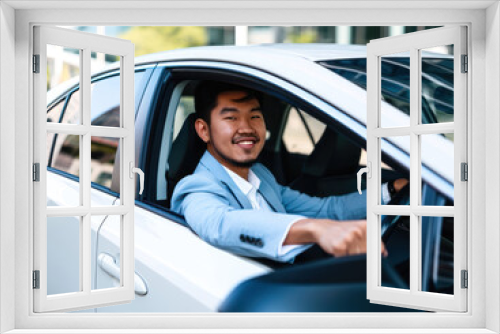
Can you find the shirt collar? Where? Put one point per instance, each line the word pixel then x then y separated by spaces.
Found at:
pixel 244 185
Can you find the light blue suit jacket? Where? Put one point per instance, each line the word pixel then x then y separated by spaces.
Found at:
pixel 222 215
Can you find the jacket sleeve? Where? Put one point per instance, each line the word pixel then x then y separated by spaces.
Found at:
pixel 345 207
pixel 205 205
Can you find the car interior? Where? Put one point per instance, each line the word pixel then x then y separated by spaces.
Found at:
pixel 313 168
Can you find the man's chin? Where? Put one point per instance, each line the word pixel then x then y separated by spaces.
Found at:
pixel 242 163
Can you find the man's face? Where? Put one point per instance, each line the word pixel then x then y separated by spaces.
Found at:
pixel 237 131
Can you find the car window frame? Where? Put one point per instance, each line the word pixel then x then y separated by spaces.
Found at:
pixel 157 116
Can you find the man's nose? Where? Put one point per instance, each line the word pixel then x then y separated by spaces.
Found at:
pixel 245 125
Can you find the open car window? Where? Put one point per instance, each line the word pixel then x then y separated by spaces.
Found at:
pixel 301 151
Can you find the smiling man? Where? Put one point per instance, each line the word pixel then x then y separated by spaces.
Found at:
pixel 235 203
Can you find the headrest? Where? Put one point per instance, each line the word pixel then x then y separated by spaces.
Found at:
pixel 334 154
pixel 186 152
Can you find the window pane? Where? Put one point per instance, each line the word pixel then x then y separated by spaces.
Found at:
pixel 63 254
pixel 66 155
pixel 54 112
pixel 296 137
pixel 437 153
pixel 95 223
pixel 397 148
pixel 63 188
pixel 396 237
pixel 103 155
pixel 437 84
pixel 109 252
pixel 72 111
pixel 105 94
pixel 63 68
pixel 102 111
pixel 395 86
pixel 353 70
pixel 316 127
pixel 437 254
pixel 184 109
pixel 53 115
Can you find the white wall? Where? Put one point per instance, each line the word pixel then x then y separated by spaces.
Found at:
pixel 492 165
pixel 7 185
pixel 484 104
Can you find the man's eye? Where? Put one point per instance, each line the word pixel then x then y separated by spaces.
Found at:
pixel 257 116
pixel 230 118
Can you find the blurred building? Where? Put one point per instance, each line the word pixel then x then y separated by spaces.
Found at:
pixel 321 34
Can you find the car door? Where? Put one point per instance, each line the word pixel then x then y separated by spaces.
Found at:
pixel 176 271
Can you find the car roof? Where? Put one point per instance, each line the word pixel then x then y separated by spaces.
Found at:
pixel 310 51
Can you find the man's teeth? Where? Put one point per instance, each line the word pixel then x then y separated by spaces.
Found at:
pixel 246 142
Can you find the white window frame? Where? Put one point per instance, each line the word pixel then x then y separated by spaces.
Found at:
pixel 484 104
pixel 86 43
pixel 413 44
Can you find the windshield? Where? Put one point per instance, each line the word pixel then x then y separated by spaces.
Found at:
pixel 437 83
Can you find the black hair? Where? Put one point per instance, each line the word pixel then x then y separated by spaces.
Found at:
pixel 206 93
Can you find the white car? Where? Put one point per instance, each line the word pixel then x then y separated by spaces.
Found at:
pixel 315 112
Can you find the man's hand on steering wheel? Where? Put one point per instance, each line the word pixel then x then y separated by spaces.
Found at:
pixel 395 186
pixel 400 183
pixel 338 238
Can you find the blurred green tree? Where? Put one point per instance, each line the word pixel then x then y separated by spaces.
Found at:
pixel 155 39
pixel 302 35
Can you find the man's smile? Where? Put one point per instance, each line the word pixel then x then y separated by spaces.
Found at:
pixel 246 142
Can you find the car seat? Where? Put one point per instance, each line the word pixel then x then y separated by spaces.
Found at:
pixel 185 154
pixel 331 167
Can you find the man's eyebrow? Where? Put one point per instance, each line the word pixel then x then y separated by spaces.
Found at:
pixel 227 110
pixel 232 109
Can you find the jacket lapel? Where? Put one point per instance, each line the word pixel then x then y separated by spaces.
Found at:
pixel 269 194
pixel 218 171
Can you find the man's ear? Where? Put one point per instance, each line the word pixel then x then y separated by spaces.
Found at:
pixel 201 128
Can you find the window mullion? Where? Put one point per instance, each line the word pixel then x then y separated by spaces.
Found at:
pixel 419 129
pixel 104 131
pixel 414 171
pixel 420 210
pixel 85 167
pixel 126 178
